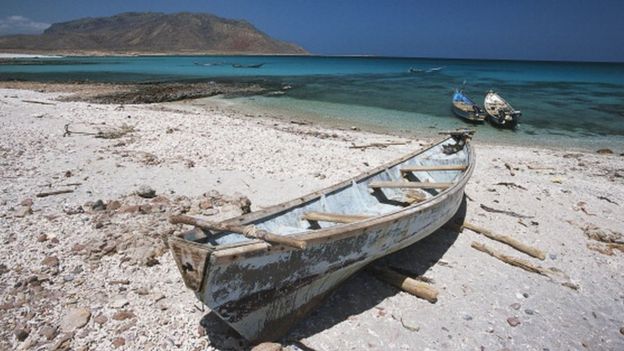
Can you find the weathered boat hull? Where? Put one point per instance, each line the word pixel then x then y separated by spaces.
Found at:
pixel 511 123
pixel 275 313
pixel 261 293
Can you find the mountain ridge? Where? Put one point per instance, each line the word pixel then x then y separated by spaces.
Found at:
pixel 152 33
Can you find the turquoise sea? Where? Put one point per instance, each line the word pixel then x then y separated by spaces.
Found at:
pixel 564 104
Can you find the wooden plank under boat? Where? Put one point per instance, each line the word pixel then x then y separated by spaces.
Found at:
pixel 500 113
pixel 467 109
pixel 261 288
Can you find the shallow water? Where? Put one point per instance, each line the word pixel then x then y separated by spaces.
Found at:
pixel 564 104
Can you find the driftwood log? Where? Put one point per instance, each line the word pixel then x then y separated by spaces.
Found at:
pixel 529 250
pixel 405 283
pixel 540 168
pixel 552 274
pixel 510 168
pixel 68 132
pixel 300 123
pixel 511 185
pixel 607 200
pixel 379 145
pixel 517 262
pixel 39 102
pixel 509 213
pixel 56 192
pixel 248 231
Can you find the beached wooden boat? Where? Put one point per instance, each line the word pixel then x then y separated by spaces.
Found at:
pixel 467 109
pixel 499 111
pixel 306 247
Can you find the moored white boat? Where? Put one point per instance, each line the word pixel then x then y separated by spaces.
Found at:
pixel 499 111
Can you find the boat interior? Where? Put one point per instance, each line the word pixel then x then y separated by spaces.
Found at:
pixel 390 188
pixel 464 106
pixel 495 103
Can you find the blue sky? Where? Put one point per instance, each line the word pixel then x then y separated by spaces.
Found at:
pixel 574 30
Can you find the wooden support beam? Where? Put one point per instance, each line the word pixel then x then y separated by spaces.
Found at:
pixel 433 168
pixel 409 185
pixel 248 231
pixel 517 262
pixel 529 250
pixel 333 217
pixel 405 283
pixel 55 192
pixel 379 145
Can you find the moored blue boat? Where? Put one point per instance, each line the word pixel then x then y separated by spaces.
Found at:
pixel 467 109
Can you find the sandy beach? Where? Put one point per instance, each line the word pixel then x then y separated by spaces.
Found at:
pixel 88 269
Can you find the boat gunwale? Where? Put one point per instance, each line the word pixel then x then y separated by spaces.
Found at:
pixel 340 231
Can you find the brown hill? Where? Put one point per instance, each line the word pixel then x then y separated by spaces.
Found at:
pixel 151 33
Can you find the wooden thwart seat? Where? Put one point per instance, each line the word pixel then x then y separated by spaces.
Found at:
pixel 409 185
pixel 248 231
pixel 433 168
pixel 333 217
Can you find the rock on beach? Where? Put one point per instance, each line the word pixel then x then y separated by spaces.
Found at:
pixel 145 191
pixel 75 319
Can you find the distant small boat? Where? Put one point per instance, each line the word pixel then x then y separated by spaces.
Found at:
pixel 209 63
pixel 238 65
pixel 435 69
pixel 465 108
pixel 500 112
pixel 429 70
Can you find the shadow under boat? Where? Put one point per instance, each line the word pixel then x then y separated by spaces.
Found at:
pixel 348 298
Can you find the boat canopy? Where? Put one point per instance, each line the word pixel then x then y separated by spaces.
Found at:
pixel 460 97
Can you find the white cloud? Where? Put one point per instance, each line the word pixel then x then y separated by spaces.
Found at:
pixel 21 25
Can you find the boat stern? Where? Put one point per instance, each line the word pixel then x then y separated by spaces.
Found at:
pixel 191 258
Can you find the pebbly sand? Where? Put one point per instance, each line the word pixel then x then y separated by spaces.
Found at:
pixel 83 274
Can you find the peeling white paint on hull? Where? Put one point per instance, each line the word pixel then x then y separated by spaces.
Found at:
pixel 269 317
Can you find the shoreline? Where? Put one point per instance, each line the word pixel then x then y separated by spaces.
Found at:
pixel 220 93
pixel 334 122
pixel 90 267
pixel 7 55
pixel 91 53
